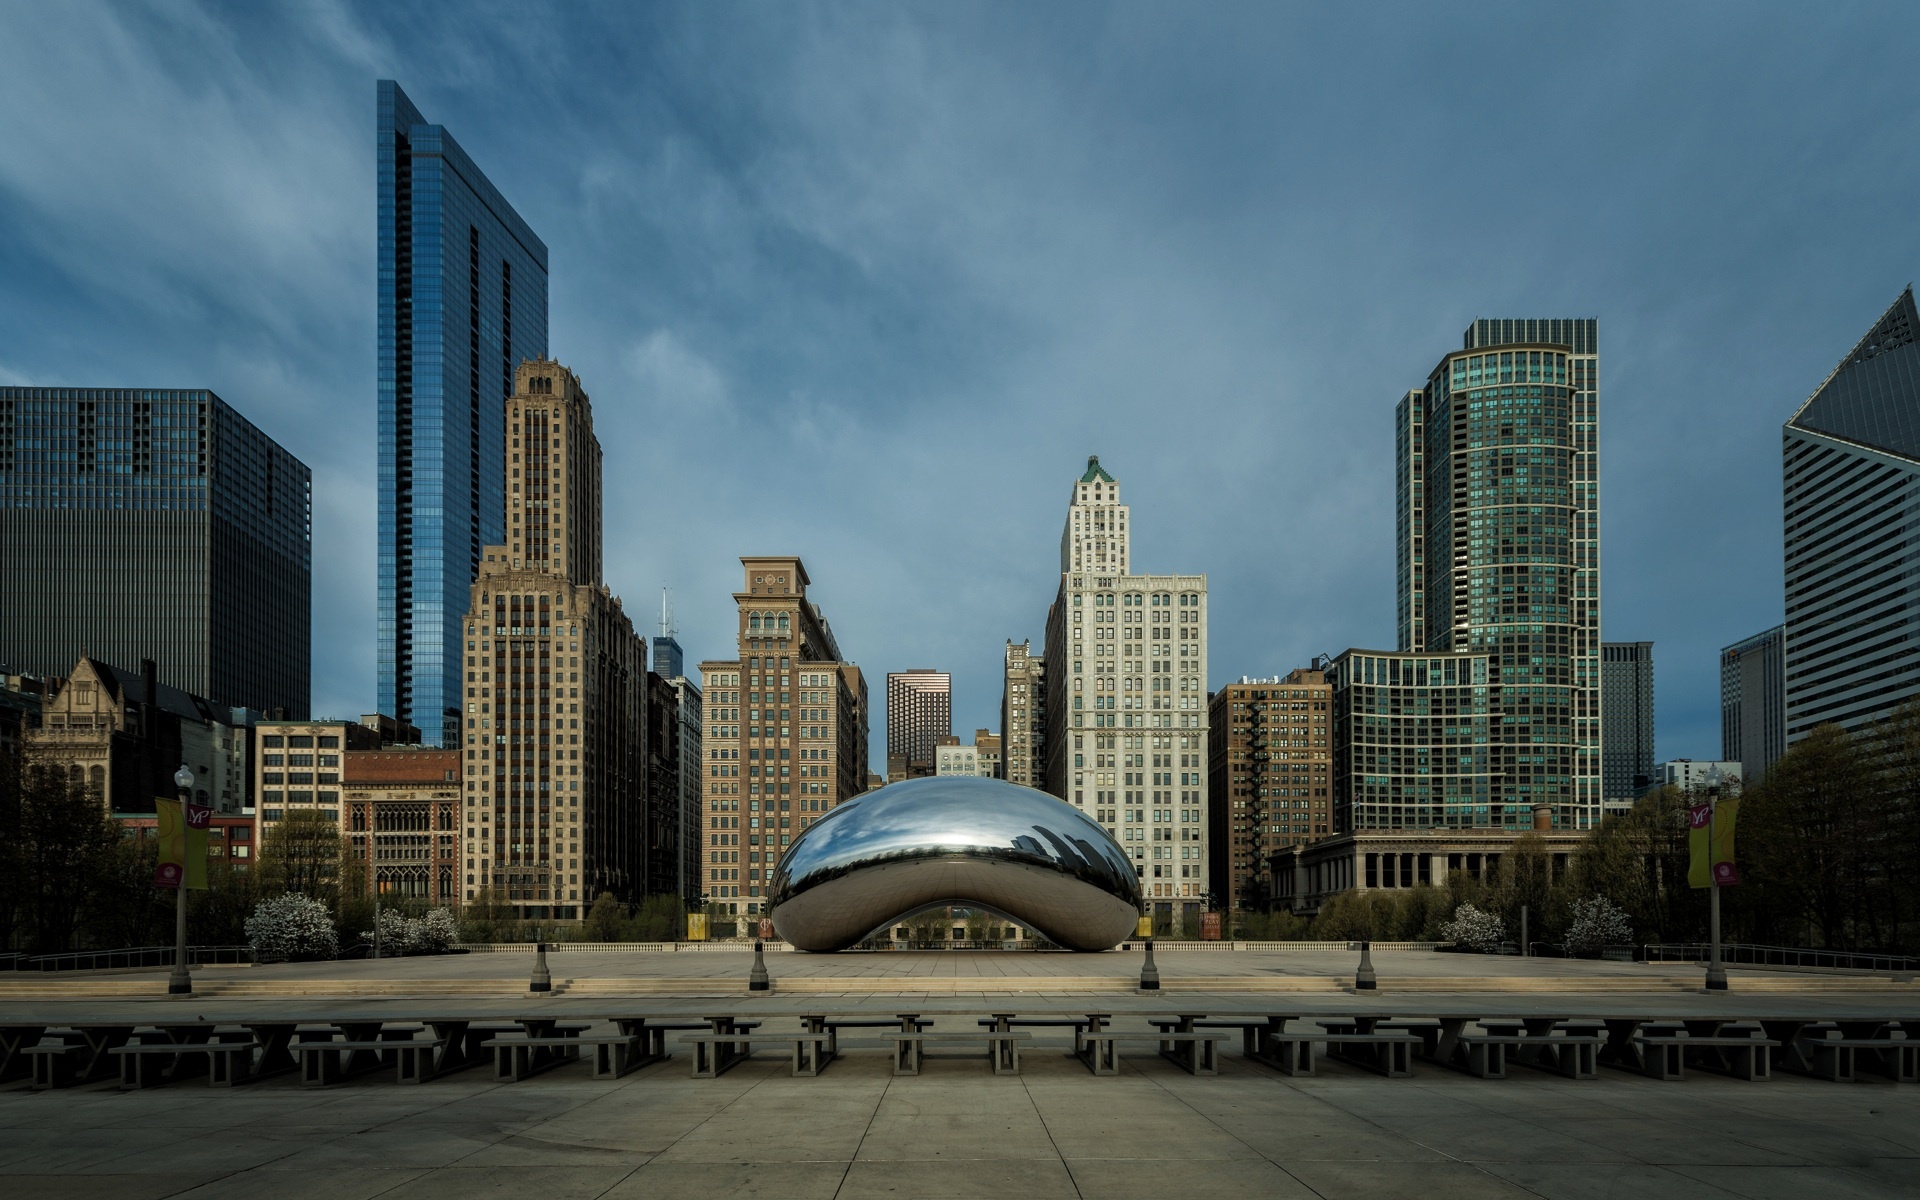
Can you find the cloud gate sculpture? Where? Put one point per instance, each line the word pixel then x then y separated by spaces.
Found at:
pixel 955 840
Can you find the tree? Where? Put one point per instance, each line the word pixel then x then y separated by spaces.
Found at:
pixel 1811 834
pixel 1474 929
pixel 661 918
pixel 927 930
pixel 59 840
pixel 302 854
pixel 1597 923
pixel 292 928
pixel 604 920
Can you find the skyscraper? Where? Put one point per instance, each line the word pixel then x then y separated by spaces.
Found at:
pixel 1268 776
pixel 1626 706
pixel 558 805
pixel 154 524
pixel 1126 702
pixel 462 301
pixel 919 714
pixel 1023 717
pixel 1851 464
pixel 1499 555
pixel 1753 702
pixel 803 748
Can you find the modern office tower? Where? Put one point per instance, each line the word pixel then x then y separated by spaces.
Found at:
pixel 1499 555
pixel 1626 711
pixel 298 767
pixel 1753 702
pixel 555 757
pixel 401 820
pixel 1126 700
pixel 1023 716
pixel 1851 461
pixel 1269 765
pixel 462 301
pixel 124 733
pixel 1691 776
pixel 919 713
pixel 1412 735
pixel 786 733
pixel 147 524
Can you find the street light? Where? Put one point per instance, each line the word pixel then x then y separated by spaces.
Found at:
pixel 180 983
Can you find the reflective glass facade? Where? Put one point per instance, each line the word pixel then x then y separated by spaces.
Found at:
pixel 1499 550
pixel 159 524
pixel 1851 476
pixel 463 300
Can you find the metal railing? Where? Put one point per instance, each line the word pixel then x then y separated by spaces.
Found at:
pixel 1741 953
pixel 132 956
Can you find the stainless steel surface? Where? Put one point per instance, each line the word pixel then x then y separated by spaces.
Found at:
pixel 978 843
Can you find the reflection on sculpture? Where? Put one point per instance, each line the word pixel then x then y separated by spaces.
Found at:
pixel 955 840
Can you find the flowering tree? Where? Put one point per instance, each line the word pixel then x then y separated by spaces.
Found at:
pixel 433 933
pixel 1597 923
pixel 1474 929
pixel 292 927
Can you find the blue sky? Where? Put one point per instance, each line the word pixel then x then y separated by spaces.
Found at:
pixel 868 282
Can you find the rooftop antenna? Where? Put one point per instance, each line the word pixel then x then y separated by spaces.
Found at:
pixel 666 613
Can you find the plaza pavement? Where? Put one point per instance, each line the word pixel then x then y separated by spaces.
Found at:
pixel 958 1131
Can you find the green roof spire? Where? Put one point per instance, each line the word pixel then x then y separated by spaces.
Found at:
pixel 1095 472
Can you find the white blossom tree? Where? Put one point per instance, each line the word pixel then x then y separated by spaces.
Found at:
pixel 292 927
pixel 1474 929
pixel 1597 923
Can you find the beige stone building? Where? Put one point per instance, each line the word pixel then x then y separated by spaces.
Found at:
pixel 1023 717
pixel 1126 709
pixel 555 679
pixel 298 766
pixel 786 733
pixel 402 818
pixel 1270 776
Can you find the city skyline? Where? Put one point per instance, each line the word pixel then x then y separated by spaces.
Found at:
pixel 968 359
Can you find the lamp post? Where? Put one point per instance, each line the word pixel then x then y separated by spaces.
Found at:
pixel 180 983
pixel 1716 970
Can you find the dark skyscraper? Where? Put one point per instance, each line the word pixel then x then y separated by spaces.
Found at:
pixel 1626 710
pixel 159 525
pixel 463 300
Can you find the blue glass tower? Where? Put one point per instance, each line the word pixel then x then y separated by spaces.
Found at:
pixel 463 299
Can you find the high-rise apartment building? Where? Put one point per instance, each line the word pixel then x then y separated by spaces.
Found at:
pixel 462 301
pixel 1626 709
pixel 1499 557
pixel 556 739
pixel 1269 776
pixel 919 714
pixel 1126 700
pixel 1753 702
pixel 155 524
pixel 1412 734
pixel 786 733
pixel 1851 466
pixel 1023 717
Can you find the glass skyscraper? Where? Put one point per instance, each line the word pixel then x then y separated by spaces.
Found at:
pixel 463 299
pixel 155 524
pixel 1851 479
pixel 1499 555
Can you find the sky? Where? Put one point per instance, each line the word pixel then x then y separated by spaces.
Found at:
pixel 868 282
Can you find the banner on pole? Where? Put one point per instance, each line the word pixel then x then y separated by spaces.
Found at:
pixel 1712 865
pixel 696 927
pixel 199 819
pixel 170 835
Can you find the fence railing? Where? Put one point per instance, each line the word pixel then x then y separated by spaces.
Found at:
pixel 1747 954
pixel 130 956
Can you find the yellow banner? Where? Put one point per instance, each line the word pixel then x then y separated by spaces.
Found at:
pixel 696 927
pixel 199 817
pixel 1145 928
pixel 170 836
pixel 1712 865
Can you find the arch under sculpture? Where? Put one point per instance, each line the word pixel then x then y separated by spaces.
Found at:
pixel 955 840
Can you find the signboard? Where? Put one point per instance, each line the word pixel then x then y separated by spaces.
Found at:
pixel 1145 928
pixel 696 927
pixel 766 928
pixel 1210 927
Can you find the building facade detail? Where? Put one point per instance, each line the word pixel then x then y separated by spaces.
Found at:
pixel 1269 777
pixel 1023 716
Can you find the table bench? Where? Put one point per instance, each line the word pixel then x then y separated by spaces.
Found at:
pixel 1358 1042
pixel 1004 1022
pixel 349 1048
pixel 1665 1051
pixel 710 1060
pixel 1003 1047
pixel 1833 1049
pixel 225 1056
pixel 1200 1057
pixel 15 1037
pixel 75 1055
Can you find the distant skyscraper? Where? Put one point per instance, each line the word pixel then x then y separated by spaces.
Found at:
pixel 802 749
pixel 558 795
pixel 1023 717
pixel 1499 556
pixel 919 713
pixel 1126 700
pixel 148 524
pixel 1753 702
pixel 1851 460
pixel 463 300
pixel 1626 707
